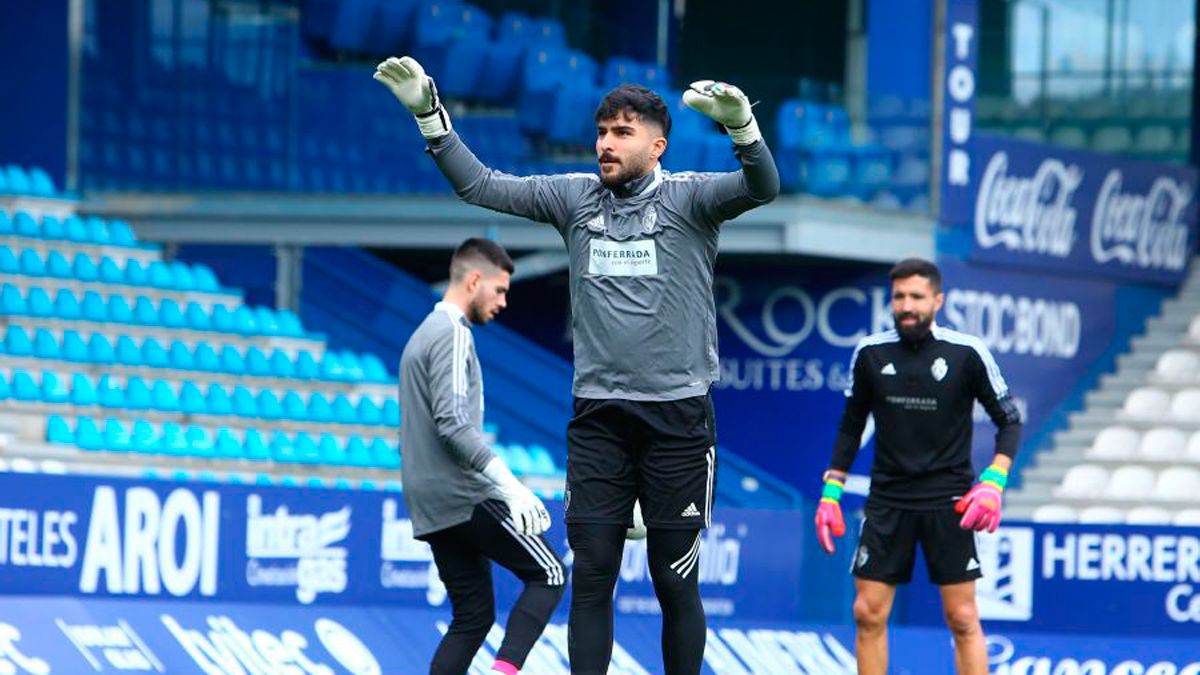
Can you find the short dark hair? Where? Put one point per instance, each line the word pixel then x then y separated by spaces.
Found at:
pixel 476 251
pixel 917 267
pixel 638 101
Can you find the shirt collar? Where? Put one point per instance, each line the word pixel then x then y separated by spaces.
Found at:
pixel 453 310
pixel 640 185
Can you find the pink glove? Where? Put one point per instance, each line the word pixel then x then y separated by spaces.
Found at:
pixel 829 523
pixel 829 512
pixel 981 507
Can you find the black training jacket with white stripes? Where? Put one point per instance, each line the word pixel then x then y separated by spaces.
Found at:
pixel 922 394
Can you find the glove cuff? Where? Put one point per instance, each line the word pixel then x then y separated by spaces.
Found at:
pixel 745 134
pixel 435 123
pixel 994 476
pixel 832 492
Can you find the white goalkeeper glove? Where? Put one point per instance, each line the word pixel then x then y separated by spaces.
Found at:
pixel 727 105
pixel 407 81
pixel 528 512
pixel 638 531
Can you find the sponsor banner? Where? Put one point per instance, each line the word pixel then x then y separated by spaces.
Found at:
pixel 961 55
pixel 1072 211
pixel 1123 580
pixel 87 536
pixel 49 635
pixel 787 334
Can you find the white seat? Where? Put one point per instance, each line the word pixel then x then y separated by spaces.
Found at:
pixel 1112 139
pixel 1187 518
pixel 1083 480
pixel 1054 513
pixel 1192 452
pixel 1154 138
pixel 1114 443
pixel 1178 483
pixel 1131 481
pixel 1178 365
pixel 1148 515
pixel 1101 515
pixel 1068 137
pixel 1185 406
pixel 1147 402
pixel 1163 443
pixel 1194 328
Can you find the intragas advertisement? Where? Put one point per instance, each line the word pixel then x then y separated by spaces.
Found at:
pixel 787 334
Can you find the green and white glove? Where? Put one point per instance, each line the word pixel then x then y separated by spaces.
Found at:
pixel 528 512
pixel 407 81
pixel 727 105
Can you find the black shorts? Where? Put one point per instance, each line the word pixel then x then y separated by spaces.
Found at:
pixel 660 452
pixel 887 546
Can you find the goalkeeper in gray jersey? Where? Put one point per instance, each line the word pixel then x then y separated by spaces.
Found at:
pixel 641 244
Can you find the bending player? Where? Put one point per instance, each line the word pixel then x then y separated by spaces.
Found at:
pixel 642 243
pixel 462 498
pixel 920 381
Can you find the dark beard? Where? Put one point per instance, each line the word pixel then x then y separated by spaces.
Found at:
pixel 915 332
pixel 475 315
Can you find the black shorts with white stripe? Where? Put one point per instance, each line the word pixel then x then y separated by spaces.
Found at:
pixel 662 453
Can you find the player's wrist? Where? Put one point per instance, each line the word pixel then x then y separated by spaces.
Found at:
pixel 745 134
pixel 995 476
pixel 834 485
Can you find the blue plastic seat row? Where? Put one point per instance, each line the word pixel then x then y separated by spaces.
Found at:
pixel 192 440
pixel 534 460
pixel 18 181
pixel 178 276
pixel 136 393
pixel 97 348
pixel 89 230
pixel 167 313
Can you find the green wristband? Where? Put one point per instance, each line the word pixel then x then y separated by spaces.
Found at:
pixel 994 475
pixel 832 490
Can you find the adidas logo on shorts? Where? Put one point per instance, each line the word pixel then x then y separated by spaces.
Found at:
pixel 691 511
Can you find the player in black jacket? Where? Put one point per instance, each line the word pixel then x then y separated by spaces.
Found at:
pixel 920 381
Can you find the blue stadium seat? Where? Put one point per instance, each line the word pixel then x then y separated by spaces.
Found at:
pixel 191 399
pixel 94 308
pixel 160 275
pixel 369 412
pixel 264 321
pixel 31 263
pixel 541 463
pixel 197 317
pixel 74 229
pixel 172 440
pixel 373 369
pixel 294 407
pixel 110 271
pixel 283 450
pixel 40 183
pixel 288 323
pixel 243 321
pixel 84 268
pixel 45 345
pixel 25 225
pixel 200 441
pixel 154 354
pixel 97 230
pixel 87 435
pixel 100 350
pixel 357 453
pixel 307 367
pixel 144 311
pixel 165 398
pixel 74 348
pixel 232 361
pixel 54 388
pixel 119 310
pixel 206 358
pixel 257 363
pixel 227 445
pixel 8 261
pixel 180 356
pixel 344 411
pixel 331 366
pixel 38 303
pixel 66 305
pixel 307 451
pixel 137 394
pixel 281 364
pixel 117 437
pixel 222 319
pixel 182 277
pixel 128 352
pixel 319 409
pixel 170 315
pixel 52 228
pixel 352 369
pixel 6 224
pixel 269 406
pixel 24 388
pixel 109 392
pixel 391 412
pixel 59 431
pixel 519 460
pixel 384 455
pixel 254 447
pixel 244 402
pixel 136 273
pixel 218 401
pixel 58 266
pixel 205 280
pixel 143 438
pixel 12 303
pixel 17 342
pixel 330 452
pixel 119 233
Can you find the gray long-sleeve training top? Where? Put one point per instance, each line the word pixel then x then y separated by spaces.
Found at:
pixel 641 262
pixel 441 423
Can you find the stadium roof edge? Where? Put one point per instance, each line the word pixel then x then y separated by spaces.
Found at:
pixel 789 225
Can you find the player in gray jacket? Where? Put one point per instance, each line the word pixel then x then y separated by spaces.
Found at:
pixel 461 497
pixel 641 244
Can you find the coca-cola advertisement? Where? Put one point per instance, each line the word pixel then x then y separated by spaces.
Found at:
pixel 1078 212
